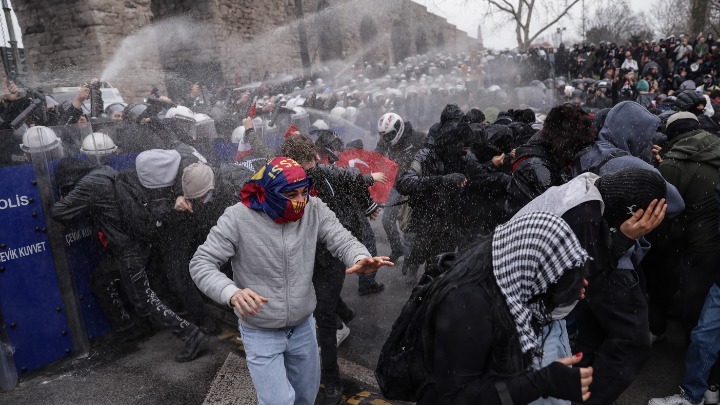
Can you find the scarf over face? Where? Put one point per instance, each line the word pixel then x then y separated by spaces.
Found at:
pixel 529 254
pixel 263 192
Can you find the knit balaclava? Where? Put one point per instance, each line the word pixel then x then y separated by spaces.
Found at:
pixel 627 191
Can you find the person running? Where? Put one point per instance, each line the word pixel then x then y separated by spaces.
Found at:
pixel 271 238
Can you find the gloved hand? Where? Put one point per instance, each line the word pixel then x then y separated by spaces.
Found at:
pixel 454 180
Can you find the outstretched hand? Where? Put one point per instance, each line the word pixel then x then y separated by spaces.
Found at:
pixel 379 177
pixel 369 265
pixel 644 221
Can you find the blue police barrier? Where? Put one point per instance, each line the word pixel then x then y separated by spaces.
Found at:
pixel 85 253
pixel 30 298
pixel 225 151
pixel 122 162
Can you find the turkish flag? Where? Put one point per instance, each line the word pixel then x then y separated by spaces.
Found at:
pixel 370 162
pixel 253 109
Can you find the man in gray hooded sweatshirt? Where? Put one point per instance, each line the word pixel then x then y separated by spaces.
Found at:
pixel 270 238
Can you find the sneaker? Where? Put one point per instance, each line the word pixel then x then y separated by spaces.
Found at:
pixel 192 348
pixel 333 395
pixel 373 288
pixel 677 399
pixel 342 334
pixel 712 395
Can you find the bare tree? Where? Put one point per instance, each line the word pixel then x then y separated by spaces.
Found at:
pixel 670 17
pixel 525 12
pixel 617 22
pixel 714 25
pixel 699 10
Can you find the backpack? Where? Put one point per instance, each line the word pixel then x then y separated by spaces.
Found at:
pixel 402 371
pixel 145 211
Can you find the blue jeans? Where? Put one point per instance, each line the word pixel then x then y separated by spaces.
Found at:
pixel 704 346
pixel 284 363
pixel 556 345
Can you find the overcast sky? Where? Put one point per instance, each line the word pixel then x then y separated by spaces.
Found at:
pixel 499 34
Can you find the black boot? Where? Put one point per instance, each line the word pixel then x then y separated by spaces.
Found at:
pixel 211 327
pixel 373 288
pixel 193 346
pixel 333 395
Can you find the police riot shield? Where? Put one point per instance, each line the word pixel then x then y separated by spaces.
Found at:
pixel 45 268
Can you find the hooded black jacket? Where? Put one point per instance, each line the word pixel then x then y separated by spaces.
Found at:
pixel 345 191
pixel 534 171
pixel 433 193
pixel 93 196
pixel 451 113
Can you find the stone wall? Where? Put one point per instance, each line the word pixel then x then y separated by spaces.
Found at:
pixel 183 41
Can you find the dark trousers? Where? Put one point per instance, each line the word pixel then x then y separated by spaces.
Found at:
pixel 368 239
pixel 175 256
pixel 131 262
pixel 662 265
pixel 390 216
pixel 328 282
pixel 613 333
pixel 106 287
pixel 698 274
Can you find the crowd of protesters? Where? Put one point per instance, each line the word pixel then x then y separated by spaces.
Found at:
pixel 579 188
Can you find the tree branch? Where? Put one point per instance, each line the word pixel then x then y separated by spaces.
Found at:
pixel 551 23
pixel 509 10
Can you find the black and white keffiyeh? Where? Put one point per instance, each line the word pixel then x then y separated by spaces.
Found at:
pixel 530 253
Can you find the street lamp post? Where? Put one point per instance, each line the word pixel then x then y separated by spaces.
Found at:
pixel 559 31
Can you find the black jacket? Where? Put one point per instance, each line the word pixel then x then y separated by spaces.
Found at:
pixel 433 192
pixel 534 171
pixel 345 191
pixel 94 197
pixel 451 113
pixel 466 345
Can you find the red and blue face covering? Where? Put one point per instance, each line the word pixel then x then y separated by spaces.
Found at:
pixel 264 191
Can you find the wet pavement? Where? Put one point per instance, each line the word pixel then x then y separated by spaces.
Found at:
pixel 144 371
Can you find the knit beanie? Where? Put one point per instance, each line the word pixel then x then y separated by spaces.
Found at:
pixel 627 191
pixel 681 123
pixel 197 180
pixel 157 168
pixel 643 85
